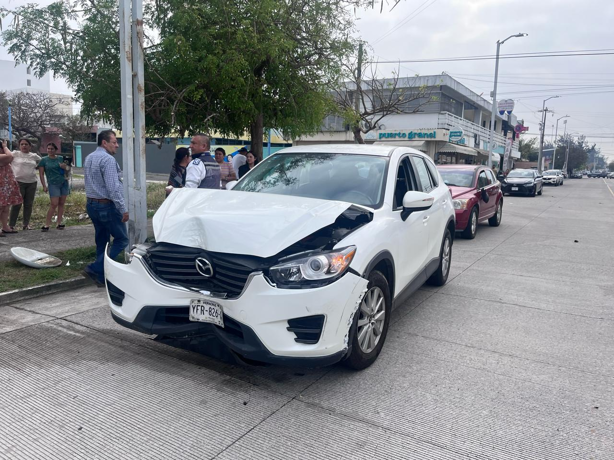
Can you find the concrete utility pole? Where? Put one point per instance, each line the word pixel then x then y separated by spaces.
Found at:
pixel 133 117
pixel 358 81
pixel 541 137
pixel 493 118
pixel 556 133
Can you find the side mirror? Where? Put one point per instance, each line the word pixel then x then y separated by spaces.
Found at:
pixel 230 185
pixel 416 201
pixel 485 196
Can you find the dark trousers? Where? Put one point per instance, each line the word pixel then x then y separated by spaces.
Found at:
pixel 28 192
pixel 108 223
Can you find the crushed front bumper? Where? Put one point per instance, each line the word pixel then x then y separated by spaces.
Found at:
pixel 256 323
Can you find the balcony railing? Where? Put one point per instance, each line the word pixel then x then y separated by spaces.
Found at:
pixel 449 121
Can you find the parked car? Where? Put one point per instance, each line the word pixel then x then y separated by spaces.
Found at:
pixel 598 174
pixel 611 175
pixel 523 182
pixel 576 175
pixel 553 176
pixel 476 196
pixel 300 263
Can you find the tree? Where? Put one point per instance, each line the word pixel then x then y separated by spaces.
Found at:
pixel 364 101
pixel 31 114
pixel 245 66
pixel 528 149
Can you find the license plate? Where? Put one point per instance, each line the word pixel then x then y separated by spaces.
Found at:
pixel 206 311
pixel 514 189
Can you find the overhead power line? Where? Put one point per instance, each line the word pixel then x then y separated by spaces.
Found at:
pixel 544 54
pixel 408 18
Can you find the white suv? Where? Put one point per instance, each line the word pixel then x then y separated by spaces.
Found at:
pixel 301 263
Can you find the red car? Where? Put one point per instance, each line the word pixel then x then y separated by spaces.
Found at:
pixel 476 196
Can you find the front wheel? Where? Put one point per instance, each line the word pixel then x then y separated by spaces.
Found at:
pixel 440 276
pixel 472 225
pixel 370 324
pixel 541 190
pixel 495 220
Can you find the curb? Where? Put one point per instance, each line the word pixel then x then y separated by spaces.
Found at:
pixel 45 289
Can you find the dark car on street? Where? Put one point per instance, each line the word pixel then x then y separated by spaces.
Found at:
pixel 598 174
pixel 476 196
pixel 523 182
pixel 576 175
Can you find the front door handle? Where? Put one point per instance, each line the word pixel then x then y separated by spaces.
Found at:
pixel 425 218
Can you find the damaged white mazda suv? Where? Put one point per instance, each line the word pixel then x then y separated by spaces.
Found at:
pixel 300 263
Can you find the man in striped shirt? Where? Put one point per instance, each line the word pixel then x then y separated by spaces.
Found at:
pixel 105 203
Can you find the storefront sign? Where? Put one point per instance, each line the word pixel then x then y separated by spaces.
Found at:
pixel 456 135
pixel 505 105
pixel 415 134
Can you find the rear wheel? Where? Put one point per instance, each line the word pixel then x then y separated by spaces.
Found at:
pixel 370 324
pixel 495 220
pixel 440 276
pixel 472 225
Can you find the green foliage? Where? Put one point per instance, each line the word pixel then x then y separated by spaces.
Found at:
pixel 528 149
pixel 233 66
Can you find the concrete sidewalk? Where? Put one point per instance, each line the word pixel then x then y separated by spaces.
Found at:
pixel 53 241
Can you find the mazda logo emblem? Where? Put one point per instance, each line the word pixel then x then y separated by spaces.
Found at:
pixel 204 267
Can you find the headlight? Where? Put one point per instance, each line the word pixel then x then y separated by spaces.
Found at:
pixel 315 270
pixel 528 183
pixel 460 204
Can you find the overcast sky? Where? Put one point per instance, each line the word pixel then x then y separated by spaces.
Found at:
pixel 427 29
pixel 452 28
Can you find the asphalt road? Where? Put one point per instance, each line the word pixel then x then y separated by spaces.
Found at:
pixel 512 359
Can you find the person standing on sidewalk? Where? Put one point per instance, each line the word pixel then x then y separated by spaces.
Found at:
pixel 9 190
pixel 203 171
pixel 105 203
pixel 24 167
pixel 54 168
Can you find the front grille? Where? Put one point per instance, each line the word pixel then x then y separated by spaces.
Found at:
pixel 177 264
pixel 115 294
pixel 307 329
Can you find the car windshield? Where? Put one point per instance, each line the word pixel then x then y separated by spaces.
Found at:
pixel 457 177
pixel 552 172
pixel 520 173
pixel 356 179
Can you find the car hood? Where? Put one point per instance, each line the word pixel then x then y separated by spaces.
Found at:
pixel 256 224
pixel 518 180
pixel 549 176
pixel 460 191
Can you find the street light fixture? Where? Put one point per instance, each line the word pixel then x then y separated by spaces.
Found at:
pixel 556 133
pixel 493 118
pixel 543 130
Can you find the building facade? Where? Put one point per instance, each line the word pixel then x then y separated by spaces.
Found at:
pixel 452 126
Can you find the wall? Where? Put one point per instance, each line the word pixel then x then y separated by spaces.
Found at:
pixel 159 161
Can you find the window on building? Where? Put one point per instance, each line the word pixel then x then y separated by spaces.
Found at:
pixel 29 71
pixel 29 82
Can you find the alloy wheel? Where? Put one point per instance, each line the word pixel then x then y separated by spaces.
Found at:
pixel 474 223
pixel 371 319
pixel 445 256
pixel 499 212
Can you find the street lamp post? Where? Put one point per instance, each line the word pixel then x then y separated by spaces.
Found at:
pixel 556 133
pixel 541 137
pixel 493 118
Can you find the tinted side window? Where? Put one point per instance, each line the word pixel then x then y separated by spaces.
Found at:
pixel 482 180
pixel 491 176
pixel 423 174
pixel 403 184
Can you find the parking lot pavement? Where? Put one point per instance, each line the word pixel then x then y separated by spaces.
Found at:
pixel 513 358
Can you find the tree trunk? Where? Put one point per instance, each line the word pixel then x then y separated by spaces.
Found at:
pixel 358 135
pixel 256 131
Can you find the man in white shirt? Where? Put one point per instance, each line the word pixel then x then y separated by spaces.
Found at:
pixel 203 171
pixel 239 159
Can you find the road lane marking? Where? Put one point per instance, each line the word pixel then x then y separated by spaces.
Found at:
pixel 608 186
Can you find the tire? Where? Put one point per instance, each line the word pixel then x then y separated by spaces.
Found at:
pixel 472 225
pixel 534 192
pixel 362 354
pixel 440 276
pixel 495 220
